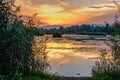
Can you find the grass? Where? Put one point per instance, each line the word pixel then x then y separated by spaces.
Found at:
pixel 40 77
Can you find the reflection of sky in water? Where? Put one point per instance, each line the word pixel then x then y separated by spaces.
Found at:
pixel 70 57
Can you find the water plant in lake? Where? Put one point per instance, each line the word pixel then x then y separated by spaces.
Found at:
pixel 57 35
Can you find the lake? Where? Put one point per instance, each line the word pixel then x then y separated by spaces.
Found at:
pixel 74 55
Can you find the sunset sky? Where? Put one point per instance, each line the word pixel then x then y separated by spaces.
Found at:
pixel 69 12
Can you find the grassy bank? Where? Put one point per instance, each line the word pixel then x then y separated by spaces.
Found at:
pixel 40 77
pixel 74 78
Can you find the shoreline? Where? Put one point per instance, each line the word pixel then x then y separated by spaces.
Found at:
pixel 73 78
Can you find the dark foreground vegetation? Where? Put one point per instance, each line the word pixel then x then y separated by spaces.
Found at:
pixel 108 67
pixel 22 59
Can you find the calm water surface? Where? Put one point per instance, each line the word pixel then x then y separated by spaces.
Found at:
pixel 72 56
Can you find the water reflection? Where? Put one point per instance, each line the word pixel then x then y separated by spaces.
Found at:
pixel 70 57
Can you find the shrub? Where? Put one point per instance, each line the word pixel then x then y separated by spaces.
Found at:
pixel 16 41
pixel 108 68
pixel 57 35
pixel 36 32
pixel 17 76
pixel 39 63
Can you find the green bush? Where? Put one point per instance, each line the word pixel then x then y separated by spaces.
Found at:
pixel 57 35
pixel 39 63
pixel 16 43
pixel 15 40
pixel 105 72
pixel 108 67
pixel 36 32
pixel 17 76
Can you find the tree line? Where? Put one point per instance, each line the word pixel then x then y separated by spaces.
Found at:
pixel 81 29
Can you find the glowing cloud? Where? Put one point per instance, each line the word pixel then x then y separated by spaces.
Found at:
pixel 50 9
pixel 63 2
pixel 54 15
pixel 102 6
pixel 68 13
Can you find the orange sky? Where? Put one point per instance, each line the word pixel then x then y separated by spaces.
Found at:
pixel 69 12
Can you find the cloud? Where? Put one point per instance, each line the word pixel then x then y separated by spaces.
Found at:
pixel 95 7
pixel 63 2
pixel 50 9
pixel 102 6
pixel 63 62
pixel 105 16
pixel 109 6
pixel 39 2
pixel 57 12
pixel 55 15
